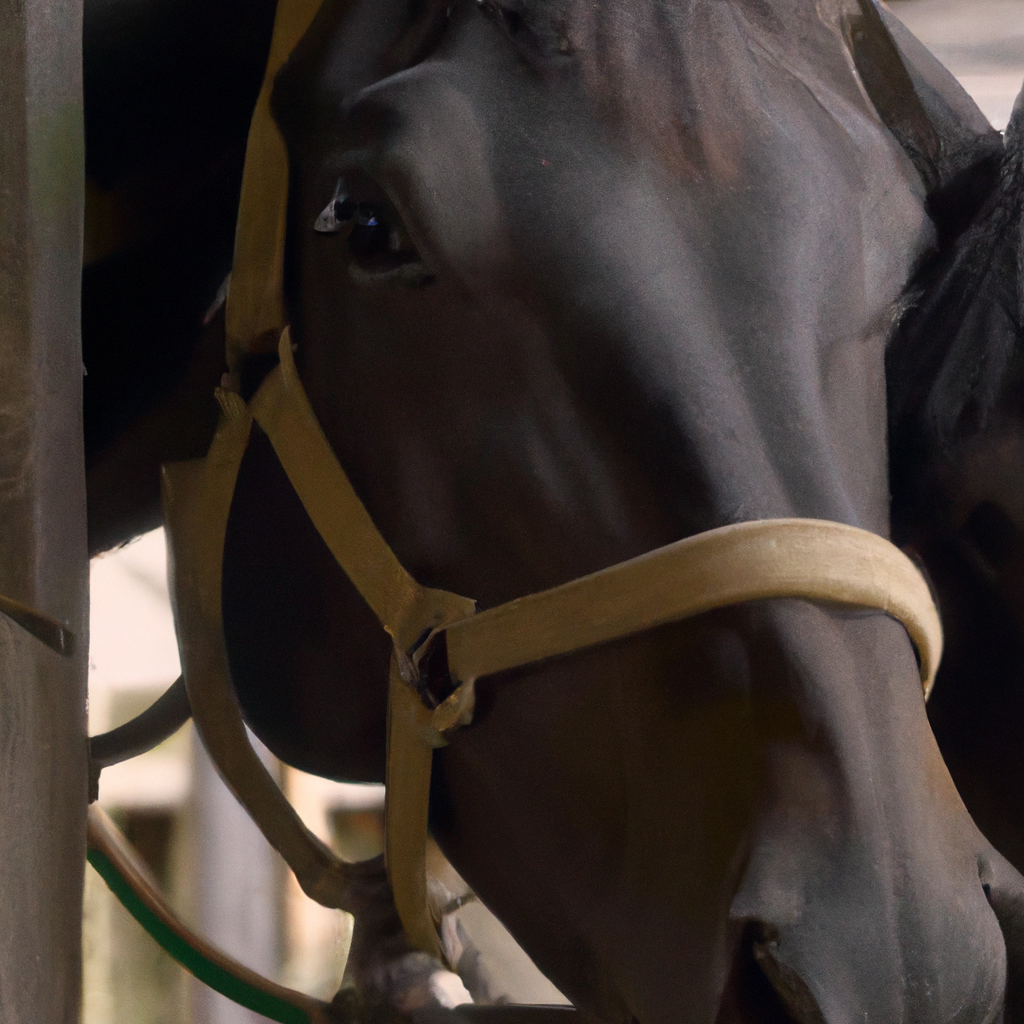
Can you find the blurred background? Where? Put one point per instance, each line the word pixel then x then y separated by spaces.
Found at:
pixel 216 868
pixel 219 873
pixel 980 41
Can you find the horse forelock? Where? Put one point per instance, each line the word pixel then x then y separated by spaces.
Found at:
pixel 678 77
pixel 639 63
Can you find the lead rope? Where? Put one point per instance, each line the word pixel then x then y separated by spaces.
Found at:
pixel 121 868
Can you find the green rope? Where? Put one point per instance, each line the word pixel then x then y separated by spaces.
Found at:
pixel 191 959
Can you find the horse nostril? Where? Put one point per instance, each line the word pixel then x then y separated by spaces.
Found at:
pixel 751 992
pixel 789 986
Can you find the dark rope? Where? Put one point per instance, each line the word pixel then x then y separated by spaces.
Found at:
pixel 164 717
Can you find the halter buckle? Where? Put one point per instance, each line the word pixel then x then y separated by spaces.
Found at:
pixel 431 677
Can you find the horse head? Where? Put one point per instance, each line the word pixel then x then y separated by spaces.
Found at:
pixel 568 282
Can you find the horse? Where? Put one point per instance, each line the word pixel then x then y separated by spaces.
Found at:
pixel 595 278
pixel 572 318
pixel 955 438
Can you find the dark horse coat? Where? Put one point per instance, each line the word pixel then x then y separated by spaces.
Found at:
pixel 620 271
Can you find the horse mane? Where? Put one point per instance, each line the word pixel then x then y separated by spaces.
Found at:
pixel 955 345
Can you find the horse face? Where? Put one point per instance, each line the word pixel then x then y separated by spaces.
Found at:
pixel 609 275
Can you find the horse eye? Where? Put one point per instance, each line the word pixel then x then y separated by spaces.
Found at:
pixel 337 213
pixel 371 232
pixel 379 246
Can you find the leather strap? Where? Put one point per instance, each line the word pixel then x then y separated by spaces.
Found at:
pixel 255 312
pixel 802 558
pixel 404 608
pixel 197 500
pixel 406 611
pixel 406 810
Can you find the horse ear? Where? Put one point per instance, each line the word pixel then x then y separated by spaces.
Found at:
pixel 948 139
pixel 888 83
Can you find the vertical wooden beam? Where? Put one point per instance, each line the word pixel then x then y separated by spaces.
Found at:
pixel 43 558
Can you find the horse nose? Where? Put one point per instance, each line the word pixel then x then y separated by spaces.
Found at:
pixel 761 988
pixel 1005 890
pixel 849 943
pixel 811 978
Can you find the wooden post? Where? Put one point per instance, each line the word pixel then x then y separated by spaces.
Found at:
pixel 43 559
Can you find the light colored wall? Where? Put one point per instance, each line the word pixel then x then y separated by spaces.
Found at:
pixel 980 41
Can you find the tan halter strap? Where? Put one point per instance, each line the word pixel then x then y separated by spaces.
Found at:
pixel 748 561
pixel 745 561
pixel 799 558
pixel 802 558
pixel 197 500
pixel 254 314
pixel 404 608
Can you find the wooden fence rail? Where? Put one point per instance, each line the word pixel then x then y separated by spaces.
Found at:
pixel 43 562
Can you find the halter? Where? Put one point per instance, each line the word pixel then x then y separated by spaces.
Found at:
pixel 435 632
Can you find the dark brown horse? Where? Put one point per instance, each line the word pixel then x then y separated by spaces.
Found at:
pixel 608 275
pixel 956 382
